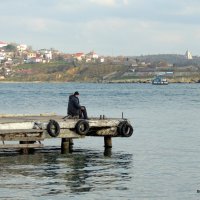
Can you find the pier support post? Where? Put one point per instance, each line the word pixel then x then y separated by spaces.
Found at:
pixel 23 150
pixel 26 150
pixel 107 141
pixel 108 152
pixel 71 143
pixel 65 145
pixel 108 146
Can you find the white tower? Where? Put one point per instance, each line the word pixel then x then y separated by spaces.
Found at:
pixel 188 55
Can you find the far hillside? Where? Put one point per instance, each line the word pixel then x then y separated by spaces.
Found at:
pixel 178 60
pixel 111 69
pixel 67 72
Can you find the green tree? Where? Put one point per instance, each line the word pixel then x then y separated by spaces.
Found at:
pixel 10 48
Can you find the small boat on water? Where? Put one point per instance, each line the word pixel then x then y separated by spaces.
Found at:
pixel 159 80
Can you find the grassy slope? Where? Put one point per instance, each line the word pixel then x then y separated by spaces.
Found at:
pixel 65 72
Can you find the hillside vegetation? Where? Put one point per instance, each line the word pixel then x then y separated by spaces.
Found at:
pixel 65 72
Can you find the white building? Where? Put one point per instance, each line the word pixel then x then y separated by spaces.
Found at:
pixel 47 54
pixel 2 55
pixel 92 55
pixel 102 60
pixel 188 55
pixel 3 44
pixel 22 47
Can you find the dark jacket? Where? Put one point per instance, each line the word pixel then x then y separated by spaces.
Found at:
pixel 73 106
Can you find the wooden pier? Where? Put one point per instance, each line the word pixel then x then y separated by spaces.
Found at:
pixel 29 131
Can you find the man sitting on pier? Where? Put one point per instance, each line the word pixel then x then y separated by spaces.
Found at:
pixel 74 107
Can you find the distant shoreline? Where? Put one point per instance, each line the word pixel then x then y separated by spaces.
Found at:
pixel 105 82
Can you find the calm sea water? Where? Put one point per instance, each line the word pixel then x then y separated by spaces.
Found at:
pixel 160 161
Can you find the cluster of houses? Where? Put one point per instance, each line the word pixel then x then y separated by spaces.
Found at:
pixel 24 54
pixel 89 57
pixel 14 54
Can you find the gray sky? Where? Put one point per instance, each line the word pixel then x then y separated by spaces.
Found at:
pixel 109 27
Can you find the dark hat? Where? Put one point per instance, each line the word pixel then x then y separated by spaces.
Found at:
pixel 76 93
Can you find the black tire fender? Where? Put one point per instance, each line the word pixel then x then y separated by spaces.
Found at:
pixel 53 128
pixel 125 129
pixel 82 127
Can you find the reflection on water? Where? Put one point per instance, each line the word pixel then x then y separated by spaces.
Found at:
pixel 48 173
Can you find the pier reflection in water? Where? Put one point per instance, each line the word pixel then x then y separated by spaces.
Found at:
pixel 49 173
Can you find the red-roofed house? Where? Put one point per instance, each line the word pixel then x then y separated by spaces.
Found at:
pixel 3 44
pixel 79 56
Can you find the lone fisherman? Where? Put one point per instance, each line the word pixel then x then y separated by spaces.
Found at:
pixel 74 107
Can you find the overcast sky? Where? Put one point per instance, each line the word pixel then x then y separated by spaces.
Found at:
pixel 109 27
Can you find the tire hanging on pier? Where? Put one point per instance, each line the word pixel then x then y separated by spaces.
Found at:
pixel 53 128
pixel 125 129
pixel 82 127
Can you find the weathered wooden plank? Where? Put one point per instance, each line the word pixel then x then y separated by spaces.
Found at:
pixel 5 146
pixel 71 123
pixel 64 133
pixel 64 124
pixel 19 125
pixel 27 115
pixel 104 123
pixel 11 131
pixel 7 138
